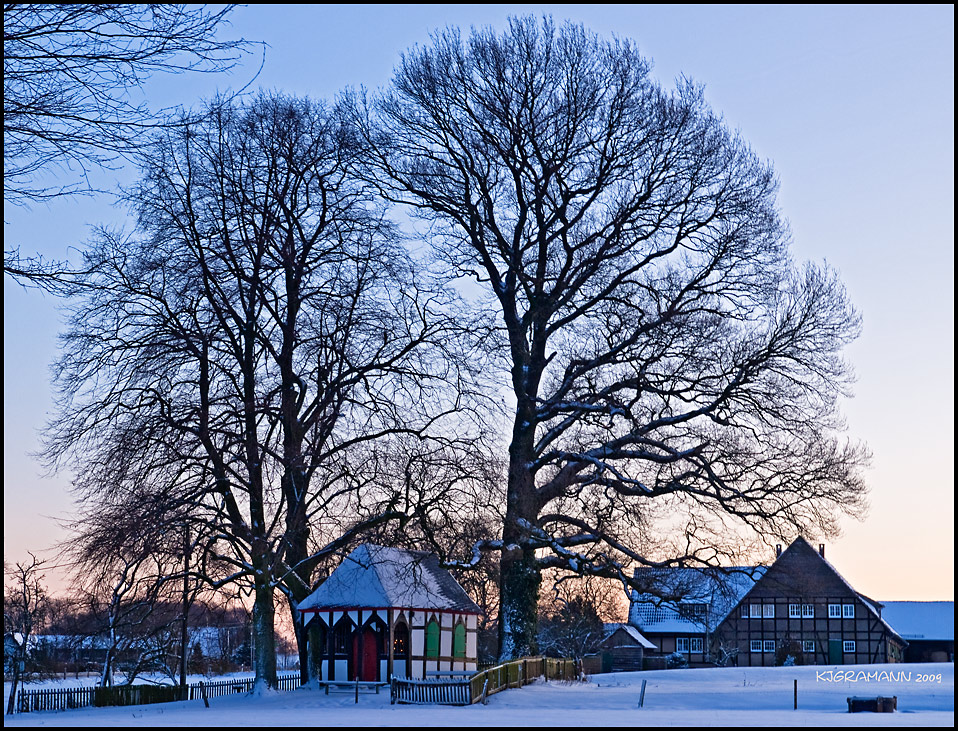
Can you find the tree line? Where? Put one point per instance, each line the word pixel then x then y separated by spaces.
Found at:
pixel 524 307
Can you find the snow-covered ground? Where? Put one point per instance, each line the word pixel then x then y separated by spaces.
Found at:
pixel 706 697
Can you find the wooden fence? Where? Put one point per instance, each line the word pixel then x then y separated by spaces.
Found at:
pixel 61 699
pixel 480 686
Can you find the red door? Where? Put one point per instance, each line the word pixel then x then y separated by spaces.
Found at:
pixel 366 655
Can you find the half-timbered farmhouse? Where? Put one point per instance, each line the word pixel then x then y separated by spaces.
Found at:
pixel 695 602
pixel 800 606
pixel 386 611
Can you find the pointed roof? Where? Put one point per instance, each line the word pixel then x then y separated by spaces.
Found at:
pixel 636 636
pixel 380 577
pixel 803 567
pixel 720 589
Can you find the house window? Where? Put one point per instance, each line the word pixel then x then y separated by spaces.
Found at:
pixel 848 645
pixel 682 645
pixel 794 611
pixel 459 641
pixel 808 611
pixel 768 645
pixel 755 610
pixel 432 639
pixel 768 611
pixel 808 645
pixel 692 611
pixel 696 645
pixel 756 646
pixel 745 611
pixel 834 611
pixel 848 611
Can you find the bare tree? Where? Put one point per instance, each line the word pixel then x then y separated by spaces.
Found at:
pixel 25 604
pixel 245 347
pixel 661 353
pixel 70 77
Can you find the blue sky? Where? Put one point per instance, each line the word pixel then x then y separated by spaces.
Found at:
pixel 854 106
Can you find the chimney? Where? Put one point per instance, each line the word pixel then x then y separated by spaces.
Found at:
pixel 821 550
pixel 778 550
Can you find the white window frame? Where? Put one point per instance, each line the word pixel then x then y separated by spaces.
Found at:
pixel 682 645
pixel 768 611
pixel 848 646
pixel 808 645
pixel 696 645
pixel 848 611
pixel 756 646
pixel 834 611
pixel 755 611
pixel 768 645
pixel 794 611
pixel 808 611
pixel 745 611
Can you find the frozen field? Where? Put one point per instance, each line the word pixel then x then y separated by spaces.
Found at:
pixel 708 697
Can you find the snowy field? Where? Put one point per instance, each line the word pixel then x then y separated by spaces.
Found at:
pixel 706 697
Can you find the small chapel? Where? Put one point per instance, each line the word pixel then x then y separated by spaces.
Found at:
pixel 387 612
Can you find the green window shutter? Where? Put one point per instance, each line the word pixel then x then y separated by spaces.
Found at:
pixel 459 641
pixel 432 639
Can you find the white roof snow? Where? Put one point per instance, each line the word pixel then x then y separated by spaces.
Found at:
pixel 379 577
pixel 611 629
pixel 921 620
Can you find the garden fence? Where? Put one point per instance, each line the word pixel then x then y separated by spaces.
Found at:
pixel 61 699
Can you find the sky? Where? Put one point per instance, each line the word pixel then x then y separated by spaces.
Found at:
pixel 854 107
pixel 726 697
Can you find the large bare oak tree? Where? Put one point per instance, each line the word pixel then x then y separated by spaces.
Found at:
pixel 657 343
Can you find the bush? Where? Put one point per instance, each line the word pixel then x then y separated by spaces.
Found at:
pixel 789 653
pixel 676 660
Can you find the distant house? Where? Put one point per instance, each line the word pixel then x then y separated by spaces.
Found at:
pixel 696 602
pixel 800 606
pixel 928 627
pixel 803 607
pixel 386 611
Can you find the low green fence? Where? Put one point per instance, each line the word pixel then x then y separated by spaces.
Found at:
pixel 521 672
pixel 464 692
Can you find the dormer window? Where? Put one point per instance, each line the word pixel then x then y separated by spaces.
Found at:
pixel 692 611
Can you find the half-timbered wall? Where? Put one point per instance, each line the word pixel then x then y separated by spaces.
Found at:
pixel 802 599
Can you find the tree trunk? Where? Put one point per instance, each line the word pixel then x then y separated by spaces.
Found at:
pixel 13 686
pixel 520 577
pixel 519 600
pixel 317 647
pixel 264 641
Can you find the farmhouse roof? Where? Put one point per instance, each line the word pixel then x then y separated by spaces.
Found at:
pixel 380 577
pixel 719 589
pixel 921 620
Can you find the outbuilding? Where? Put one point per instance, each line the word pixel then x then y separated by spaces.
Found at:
pixel 387 611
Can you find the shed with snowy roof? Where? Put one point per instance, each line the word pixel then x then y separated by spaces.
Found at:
pixel 386 611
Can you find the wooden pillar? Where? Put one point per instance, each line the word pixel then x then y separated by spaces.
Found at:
pixel 331 649
pixel 390 624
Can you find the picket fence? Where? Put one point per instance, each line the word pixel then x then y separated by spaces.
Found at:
pixel 62 699
pixel 484 683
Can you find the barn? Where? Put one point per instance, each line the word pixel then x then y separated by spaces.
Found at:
pixel 387 611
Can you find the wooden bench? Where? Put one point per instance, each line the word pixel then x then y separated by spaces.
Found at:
pixel 366 686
